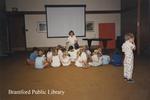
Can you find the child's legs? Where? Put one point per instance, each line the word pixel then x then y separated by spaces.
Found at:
pixel 126 65
pixel 30 62
pixel 130 72
pixel 125 71
pixel 90 63
pixel 46 64
pixel 129 67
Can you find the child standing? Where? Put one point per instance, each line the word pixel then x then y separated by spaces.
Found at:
pixel 55 62
pixel 65 60
pixel 40 61
pixel 128 47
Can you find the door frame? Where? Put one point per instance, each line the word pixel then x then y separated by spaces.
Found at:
pixel 24 32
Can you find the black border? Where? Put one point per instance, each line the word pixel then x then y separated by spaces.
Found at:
pixel 66 6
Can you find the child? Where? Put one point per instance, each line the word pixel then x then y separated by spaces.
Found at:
pixel 59 48
pixel 55 62
pixel 128 47
pixel 40 61
pixel 99 51
pixel 49 55
pixel 32 57
pixel 81 58
pixel 104 59
pixel 73 54
pixel 96 60
pixel 100 55
pixel 72 39
pixel 65 60
pixel 88 53
pixel 83 55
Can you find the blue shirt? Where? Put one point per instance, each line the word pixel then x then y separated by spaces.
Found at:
pixel 39 62
pixel 33 56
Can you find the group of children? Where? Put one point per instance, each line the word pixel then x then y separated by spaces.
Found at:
pixel 82 57
pixel 57 56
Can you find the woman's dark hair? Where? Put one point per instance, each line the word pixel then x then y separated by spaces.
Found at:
pixel 71 32
pixel 43 52
pixel 76 46
pixel 35 49
pixel 49 49
pixel 70 48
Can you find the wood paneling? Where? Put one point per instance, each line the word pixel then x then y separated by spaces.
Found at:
pixel 4 44
pixel 135 17
pixel 87 12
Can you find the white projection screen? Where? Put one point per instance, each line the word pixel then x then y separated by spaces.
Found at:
pixel 63 18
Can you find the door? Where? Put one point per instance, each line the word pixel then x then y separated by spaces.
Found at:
pixel 16 29
pixel 107 30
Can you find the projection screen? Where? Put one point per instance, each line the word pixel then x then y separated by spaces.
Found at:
pixel 63 18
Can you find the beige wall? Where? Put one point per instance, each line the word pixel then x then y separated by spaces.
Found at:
pixel 40 39
pixel 38 5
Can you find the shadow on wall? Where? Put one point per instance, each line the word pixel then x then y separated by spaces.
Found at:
pixel 146 51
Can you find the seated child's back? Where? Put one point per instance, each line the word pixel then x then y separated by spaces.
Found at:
pixel 55 59
pixel 73 54
pixel 40 61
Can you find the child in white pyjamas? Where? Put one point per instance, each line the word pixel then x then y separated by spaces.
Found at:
pixel 128 47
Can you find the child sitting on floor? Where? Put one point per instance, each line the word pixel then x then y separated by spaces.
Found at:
pixel 32 57
pixel 55 62
pixel 49 55
pixel 40 61
pixel 99 51
pixel 88 53
pixel 81 58
pixel 96 60
pixel 59 48
pixel 72 53
pixel 65 59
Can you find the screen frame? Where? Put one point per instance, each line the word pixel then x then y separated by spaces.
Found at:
pixel 70 29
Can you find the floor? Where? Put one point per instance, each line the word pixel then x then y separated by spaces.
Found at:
pixel 95 83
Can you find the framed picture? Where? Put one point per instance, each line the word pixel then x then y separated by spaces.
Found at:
pixel 41 27
pixel 90 26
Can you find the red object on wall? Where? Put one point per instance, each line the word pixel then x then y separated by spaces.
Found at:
pixel 107 30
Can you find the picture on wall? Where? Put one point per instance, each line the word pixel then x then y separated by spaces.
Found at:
pixel 41 27
pixel 90 26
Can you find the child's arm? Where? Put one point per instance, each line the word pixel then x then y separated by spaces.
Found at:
pixel 133 46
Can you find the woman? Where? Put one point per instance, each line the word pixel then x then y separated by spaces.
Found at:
pixel 72 40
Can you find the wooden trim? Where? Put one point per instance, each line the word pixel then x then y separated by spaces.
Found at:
pixel 65 5
pixel 24 30
pixel 103 12
pixel 138 25
pixel 44 12
pixel 27 12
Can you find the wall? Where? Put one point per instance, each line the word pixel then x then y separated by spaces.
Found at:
pixel 4 45
pixel 144 28
pixel 40 39
pixel 135 18
pixel 129 16
pixel 27 5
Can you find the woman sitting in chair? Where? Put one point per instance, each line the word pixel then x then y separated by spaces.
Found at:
pixel 72 40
